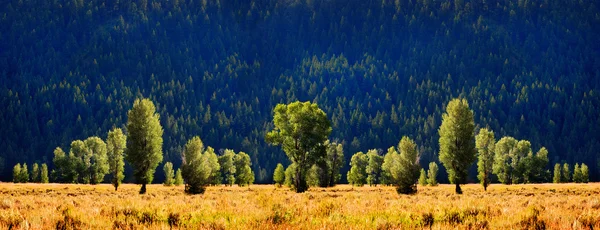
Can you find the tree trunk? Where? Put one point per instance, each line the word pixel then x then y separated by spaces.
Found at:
pixel 143 190
pixel 458 190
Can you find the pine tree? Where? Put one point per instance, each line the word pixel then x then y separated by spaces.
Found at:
pixel 169 174
pixel 432 174
pixel 144 143
pixel 279 175
pixel 178 178
pixel 44 174
pixel 115 146
pixel 557 174
pixel 457 148
pixel 485 144
pixel 423 178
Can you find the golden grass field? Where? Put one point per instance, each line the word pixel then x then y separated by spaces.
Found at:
pixel 62 206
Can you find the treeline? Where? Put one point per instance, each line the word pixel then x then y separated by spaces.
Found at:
pixel 381 70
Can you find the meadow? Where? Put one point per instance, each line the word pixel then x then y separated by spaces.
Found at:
pixel 67 206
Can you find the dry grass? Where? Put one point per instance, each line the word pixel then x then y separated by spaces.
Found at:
pixel 60 206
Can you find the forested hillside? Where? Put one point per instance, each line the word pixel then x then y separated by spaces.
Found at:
pixel 379 69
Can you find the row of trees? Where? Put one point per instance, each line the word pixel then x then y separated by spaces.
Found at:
pixel 38 174
pixel 562 174
pixel 510 160
pixel 89 161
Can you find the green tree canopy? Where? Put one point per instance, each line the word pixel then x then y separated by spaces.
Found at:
pixel 244 175
pixel 279 175
pixel 432 174
pixel 228 169
pixel 485 143
pixel 169 174
pixel 196 167
pixel 116 142
pixel 302 129
pixel 457 148
pixel 357 175
pixel 144 143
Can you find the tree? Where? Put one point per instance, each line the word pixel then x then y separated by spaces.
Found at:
pixel 35 173
pixel 389 164
pixel 169 174
pixel 244 174
pixel 577 174
pixel 228 167
pixel 116 143
pixel 357 174
pixel 24 175
pixel 505 154
pixel 213 160
pixel 302 129
pixel 404 168
pixel 457 148
pixel 279 175
pixel 196 167
pixel 485 143
pixel 17 173
pixel 373 169
pixel 557 171
pixel 432 174
pixel 79 161
pixel 65 167
pixel 289 175
pixel 423 178
pixel 312 177
pixel 178 178
pixel 44 174
pixel 98 161
pixel 566 173
pixel 522 162
pixel 535 169
pixel 144 144
pixel 585 173
pixel 335 161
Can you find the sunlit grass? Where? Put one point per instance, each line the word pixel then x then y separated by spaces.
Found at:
pixel 563 206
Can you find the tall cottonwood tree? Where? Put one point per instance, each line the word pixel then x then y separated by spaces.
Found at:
pixel 279 175
pixel 116 142
pixel 403 167
pixel 169 174
pixel 457 147
pixel 302 129
pixel 334 161
pixel 44 174
pixel 432 174
pixel 98 161
pixel 196 167
pixel 144 144
pixel 357 176
pixel 35 173
pixel 485 144
pixel 228 167
pixel 373 169
pixel 243 171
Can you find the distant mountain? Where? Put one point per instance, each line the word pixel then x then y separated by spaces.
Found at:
pixel 379 69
